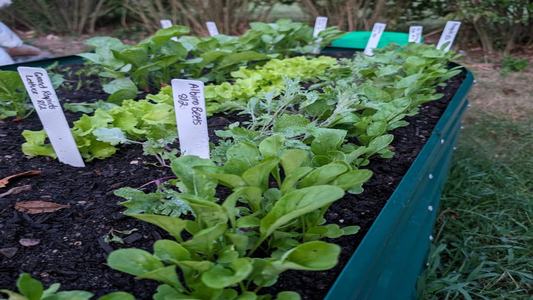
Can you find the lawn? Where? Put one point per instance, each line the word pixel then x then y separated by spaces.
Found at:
pixel 483 247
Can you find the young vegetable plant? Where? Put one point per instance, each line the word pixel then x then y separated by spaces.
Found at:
pixel 260 230
pixel 32 289
pixel 14 100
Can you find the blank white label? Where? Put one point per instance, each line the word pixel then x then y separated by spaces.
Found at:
pixel 375 36
pixel 212 28
pixel 320 24
pixel 47 106
pixel 448 35
pixel 166 24
pixel 189 103
pixel 415 34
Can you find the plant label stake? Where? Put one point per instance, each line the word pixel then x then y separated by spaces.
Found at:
pixel 212 28
pixel 448 35
pixel 415 34
pixel 320 24
pixel 44 99
pixel 166 24
pixel 189 103
pixel 375 36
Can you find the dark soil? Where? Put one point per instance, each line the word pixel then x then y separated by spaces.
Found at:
pixel 72 250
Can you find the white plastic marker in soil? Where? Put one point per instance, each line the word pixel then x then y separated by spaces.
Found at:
pixel 375 36
pixel 212 28
pixel 415 34
pixel 44 99
pixel 189 104
pixel 320 24
pixel 448 35
pixel 166 24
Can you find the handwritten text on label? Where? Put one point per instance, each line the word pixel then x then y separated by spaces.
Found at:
pixel 212 28
pixel 448 35
pixel 375 36
pixel 189 103
pixel 415 34
pixel 47 106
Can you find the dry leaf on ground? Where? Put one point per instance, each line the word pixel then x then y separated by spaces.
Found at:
pixel 5 181
pixel 16 190
pixel 9 252
pixel 38 207
pixel 29 242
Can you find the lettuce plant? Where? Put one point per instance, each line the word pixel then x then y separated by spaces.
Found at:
pixel 237 246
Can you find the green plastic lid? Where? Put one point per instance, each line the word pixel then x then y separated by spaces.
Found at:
pixel 359 39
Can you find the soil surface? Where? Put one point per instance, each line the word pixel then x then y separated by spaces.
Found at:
pixel 71 248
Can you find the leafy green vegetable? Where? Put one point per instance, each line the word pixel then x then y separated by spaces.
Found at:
pixel 32 289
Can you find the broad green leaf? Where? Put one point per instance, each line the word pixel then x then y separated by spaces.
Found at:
pixel 247 296
pixel 210 213
pixel 242 57
pixel 170 251
pixel 229 180
pixel 376 128
pixel 173 226
pixel 292 178
pixel 70 295
pixel 112 136
pixel 271 145
pixel 298 203
pixel 166 275
pixel 323 175
pixel 376 94
pixel 133 261
pixel 120 95
pixel 315 256
pixel 196 183
pixel 29 287
pixel 352 179
pixel 227 255
pixel 326 140
pixel 35 146
pixel 117 296
pixel 119 84
pixel 220 277
pixel 245 151
pixel 293 159
pixel 203 241
pixel 258 176
pixel 288 295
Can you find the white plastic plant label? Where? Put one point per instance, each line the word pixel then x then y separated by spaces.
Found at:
pixel 166 24
pixel 320 24
pixel 212 28
pixel 189 104
pixel 375 36
pixel 448 35
pixel 47 106
pixel 415 34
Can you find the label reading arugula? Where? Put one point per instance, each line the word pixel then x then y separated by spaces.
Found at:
pixel 189 103
pixel 212 28
pixel 375 36
pixel 448 35
pixel 44 99
pixel 415 34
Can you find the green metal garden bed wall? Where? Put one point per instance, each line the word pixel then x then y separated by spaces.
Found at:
pixel 387 263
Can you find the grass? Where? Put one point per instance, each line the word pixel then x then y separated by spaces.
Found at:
pixel 483 247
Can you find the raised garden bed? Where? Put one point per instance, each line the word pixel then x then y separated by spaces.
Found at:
pixel 396 211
